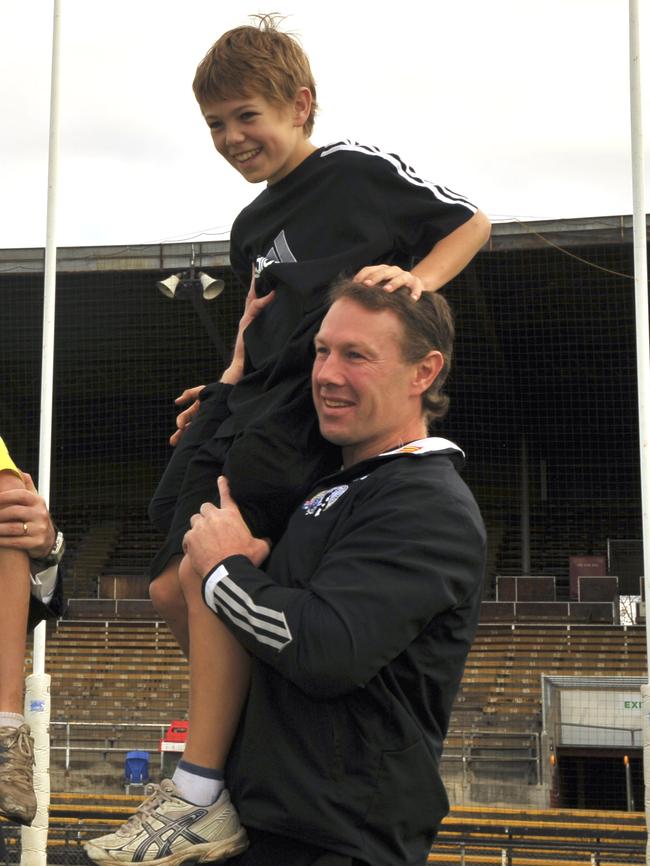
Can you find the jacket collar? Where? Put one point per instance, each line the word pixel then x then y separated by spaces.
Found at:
pixel 420 447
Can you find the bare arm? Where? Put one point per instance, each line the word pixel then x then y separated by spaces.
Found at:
pixel 232 374
pixel 445 261
pixel 254 306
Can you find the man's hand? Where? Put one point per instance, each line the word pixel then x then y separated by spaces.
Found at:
pixel 25 508
pixel 375 274
pixel 217 533
pixel 184 418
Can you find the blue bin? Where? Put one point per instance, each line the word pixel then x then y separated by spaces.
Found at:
pixel 136 768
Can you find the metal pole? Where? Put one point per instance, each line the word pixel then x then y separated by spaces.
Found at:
pixel 37 691
pixel 642 339
pixel 641 284
pixel 524 489
pixel 628 783
pixel 49 305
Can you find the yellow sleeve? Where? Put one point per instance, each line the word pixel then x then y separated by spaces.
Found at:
pixel 6 462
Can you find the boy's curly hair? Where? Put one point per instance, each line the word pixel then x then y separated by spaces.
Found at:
pixel 256 60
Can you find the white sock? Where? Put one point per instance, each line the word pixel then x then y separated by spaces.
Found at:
pixel 198 785
pixel 11 720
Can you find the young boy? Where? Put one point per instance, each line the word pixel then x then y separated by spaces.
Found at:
pixel 345 208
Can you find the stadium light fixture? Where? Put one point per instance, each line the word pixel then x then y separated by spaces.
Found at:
pixel 197 288
pixel 211 288
pixel 168 287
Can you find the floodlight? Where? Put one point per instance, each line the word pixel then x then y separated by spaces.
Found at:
pixel 211 288
pixel 168 287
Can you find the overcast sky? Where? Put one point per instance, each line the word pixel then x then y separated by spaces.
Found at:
pixel 522 105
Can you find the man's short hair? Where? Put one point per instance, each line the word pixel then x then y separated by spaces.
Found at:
pixel 256 61
pixel 427 325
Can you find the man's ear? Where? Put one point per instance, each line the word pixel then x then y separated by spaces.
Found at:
pixel 427 370
pixel 302 106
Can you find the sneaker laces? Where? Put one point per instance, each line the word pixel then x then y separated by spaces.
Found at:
pixel 156 796
pixel 16 755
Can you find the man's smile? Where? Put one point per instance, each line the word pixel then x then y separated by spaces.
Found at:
pixel 335 402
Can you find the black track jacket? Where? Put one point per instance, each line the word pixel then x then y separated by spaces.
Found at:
pixel 360 626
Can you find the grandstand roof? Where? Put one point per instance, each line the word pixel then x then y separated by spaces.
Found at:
pixel 169 256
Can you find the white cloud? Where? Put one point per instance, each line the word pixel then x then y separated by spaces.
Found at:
pixel 522 106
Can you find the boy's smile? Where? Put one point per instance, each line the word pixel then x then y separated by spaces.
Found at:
pixel 263 141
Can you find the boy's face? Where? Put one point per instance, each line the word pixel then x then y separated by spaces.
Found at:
pixel 261 140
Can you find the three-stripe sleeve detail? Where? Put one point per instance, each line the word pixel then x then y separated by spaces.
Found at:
pixel 266 625
pixel 442 193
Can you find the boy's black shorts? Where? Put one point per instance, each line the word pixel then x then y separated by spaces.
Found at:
pixel 270 466
pixel 267 849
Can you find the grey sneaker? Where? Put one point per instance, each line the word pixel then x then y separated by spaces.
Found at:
pixel 167 830
pixel 17 798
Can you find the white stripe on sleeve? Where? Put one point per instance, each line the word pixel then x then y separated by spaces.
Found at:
pixel 403 170
pixel 268 626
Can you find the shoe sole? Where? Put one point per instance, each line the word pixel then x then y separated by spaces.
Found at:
pixel 15 818
pixel 207 852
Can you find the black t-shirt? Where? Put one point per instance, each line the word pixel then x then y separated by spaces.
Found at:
pixel 345 206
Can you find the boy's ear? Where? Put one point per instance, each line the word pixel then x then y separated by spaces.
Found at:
pixel 302 106
pixel 427 370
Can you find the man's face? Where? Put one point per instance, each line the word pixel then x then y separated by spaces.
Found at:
pixel 366 396
pixel 261 140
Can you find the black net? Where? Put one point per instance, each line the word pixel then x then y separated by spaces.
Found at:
pixel 123 352
pixel 544 378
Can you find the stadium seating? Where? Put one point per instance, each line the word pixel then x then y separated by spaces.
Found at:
pixel 110 677
pixel 468 835
pixel 503 670
pixel 115 686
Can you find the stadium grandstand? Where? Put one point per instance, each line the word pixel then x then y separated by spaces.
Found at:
pixel 543 761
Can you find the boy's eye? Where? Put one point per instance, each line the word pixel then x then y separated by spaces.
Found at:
pixel 215 124
pixel 248 115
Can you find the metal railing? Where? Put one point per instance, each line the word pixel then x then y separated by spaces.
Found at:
pixel 65 847
pixel 472 751
pixel 90 744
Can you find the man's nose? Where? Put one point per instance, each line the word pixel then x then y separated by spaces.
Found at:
pixel 329 371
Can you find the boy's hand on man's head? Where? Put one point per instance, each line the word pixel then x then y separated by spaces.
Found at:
pixel 393 276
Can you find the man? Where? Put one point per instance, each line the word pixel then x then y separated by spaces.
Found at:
pixel 358 626
pixel 361 621
pixel 30 550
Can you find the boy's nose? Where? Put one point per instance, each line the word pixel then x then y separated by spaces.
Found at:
pixel 234 135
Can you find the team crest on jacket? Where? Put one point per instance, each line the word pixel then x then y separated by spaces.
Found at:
pixel 323 500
